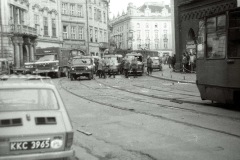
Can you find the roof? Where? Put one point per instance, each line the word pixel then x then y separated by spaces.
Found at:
pixel 154 7
pixel 25 81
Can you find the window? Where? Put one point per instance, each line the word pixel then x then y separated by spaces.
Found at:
pixel 91 35
pixel 45 26
pixel 64 8
pixel 100 36
pixel 54 34
pixel 234 35
pixel 90 12
pixel 138 34
pixel 138 25
pixel 147 34
pixel 201 40
pixel 147 26
pixel 165 25
pixel 156 44
pixel 80 10
pixel 139 44
pixel 104 17
pixel 95 14
pixel 65 33
pixel 80 32
pixel 105 36
pixel 165 42
pixel 216 37
pixel 72 8
pixel 96 35
pixel 27 99
pixel 36 22
pixel 156 34
pixel 148 43
pixel 99 18
pixel 73 32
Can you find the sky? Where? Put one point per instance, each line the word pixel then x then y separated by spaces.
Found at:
pixel 117 6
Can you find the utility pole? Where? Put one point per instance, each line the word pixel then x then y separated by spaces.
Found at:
pixel 87 28
pixel 1 21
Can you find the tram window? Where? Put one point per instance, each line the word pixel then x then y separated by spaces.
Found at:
pixel 234 35
pixel 216 37
pixel 201 40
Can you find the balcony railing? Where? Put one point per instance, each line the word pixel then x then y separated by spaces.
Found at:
pixel 18 29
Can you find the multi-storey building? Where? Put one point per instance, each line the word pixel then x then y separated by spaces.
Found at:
pixel 26 25
pixel 187 16
pixel 84 25
pixel 147 27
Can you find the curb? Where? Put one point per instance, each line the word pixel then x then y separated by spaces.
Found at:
pixel 174 80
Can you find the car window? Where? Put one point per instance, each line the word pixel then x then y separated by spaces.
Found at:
pixel 46 58
pixel 78 61
pixel 27 99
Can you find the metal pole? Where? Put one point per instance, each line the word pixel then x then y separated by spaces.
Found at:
pixel 1 29
pixel 87 28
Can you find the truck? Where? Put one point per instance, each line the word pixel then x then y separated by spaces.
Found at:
pixel 53 61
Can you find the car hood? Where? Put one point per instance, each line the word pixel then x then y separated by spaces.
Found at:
pixel 44 62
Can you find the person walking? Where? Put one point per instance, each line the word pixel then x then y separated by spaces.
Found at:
pixel 173 61
pixel 100 68
pixel 134 67
pixel 184 62
pixel 126 67
pixel 104 68
pixel 149 65
pixel 112 68
pixel 169 61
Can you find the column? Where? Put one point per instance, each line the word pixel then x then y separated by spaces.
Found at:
pixel 21 51
pixel 16 55
pixel 30 52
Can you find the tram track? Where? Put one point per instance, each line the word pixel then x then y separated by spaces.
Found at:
pixel 151 114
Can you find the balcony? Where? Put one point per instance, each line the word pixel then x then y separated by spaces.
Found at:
pixel 19 29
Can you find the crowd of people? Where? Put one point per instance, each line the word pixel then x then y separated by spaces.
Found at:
pixel 108 67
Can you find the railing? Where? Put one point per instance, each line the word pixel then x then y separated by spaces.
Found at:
pixel 18 29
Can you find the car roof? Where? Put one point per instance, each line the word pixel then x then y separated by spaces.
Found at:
pixel 83 57
pixel 23 81
pixel 134 54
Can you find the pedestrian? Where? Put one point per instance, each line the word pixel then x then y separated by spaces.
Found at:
pixel 112 68
pixel 104 68
pixel 126 67
pixel 149 65
pixel 173 61
pixel 191 61
pixel 134 66
pixel 96 62
pixel 184 62
pixel 100 68
pixel 169 61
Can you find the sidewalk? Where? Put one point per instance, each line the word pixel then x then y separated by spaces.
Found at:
pixel 168 74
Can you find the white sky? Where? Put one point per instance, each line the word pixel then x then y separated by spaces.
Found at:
pixel 120 5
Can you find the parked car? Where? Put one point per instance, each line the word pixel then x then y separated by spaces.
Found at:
pixel 81 66
pixel 157 63
pixel 34 123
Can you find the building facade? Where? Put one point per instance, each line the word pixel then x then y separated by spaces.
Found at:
pixel 147 27
pixel 85 25
pixel 187 14
pixel 27 25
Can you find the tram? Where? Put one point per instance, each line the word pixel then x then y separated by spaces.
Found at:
pixel 218 57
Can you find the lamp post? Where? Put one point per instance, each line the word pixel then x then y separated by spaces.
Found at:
pixel 87 27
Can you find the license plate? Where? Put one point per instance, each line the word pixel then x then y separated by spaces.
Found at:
pixel 29 145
